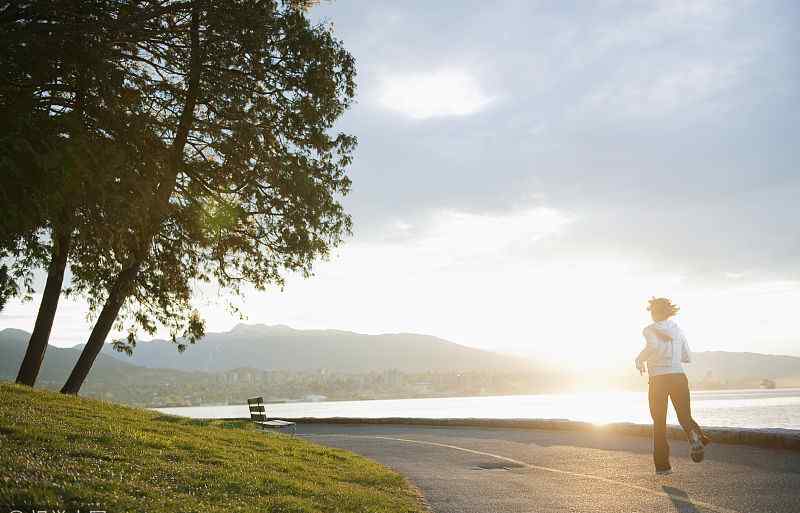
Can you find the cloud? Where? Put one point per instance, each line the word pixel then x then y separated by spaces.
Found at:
pixel 424 95
pixel 452 241
pixel 661 94
pixel 460 237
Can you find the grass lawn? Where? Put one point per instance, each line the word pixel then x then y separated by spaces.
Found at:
pixel 71 453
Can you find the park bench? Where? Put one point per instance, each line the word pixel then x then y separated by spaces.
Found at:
pixel 259 415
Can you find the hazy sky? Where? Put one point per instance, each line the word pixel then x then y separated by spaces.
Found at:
pixel 530 173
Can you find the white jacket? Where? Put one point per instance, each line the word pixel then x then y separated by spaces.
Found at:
pixel 665 357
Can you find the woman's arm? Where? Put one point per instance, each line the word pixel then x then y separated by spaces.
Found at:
pixel 686 353
pixel 650 348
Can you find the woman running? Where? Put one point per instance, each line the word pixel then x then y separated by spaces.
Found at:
pixel 665 352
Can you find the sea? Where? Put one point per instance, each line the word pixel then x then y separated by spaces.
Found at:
pixel 757 408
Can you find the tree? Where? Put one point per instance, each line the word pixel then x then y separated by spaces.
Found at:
pixel 244 94
pixel 72 121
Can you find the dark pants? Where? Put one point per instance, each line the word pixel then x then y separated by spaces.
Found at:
pixel 676 387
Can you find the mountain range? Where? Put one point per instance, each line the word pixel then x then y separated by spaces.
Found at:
pixel 283 348
pixel 58 363
pixel 260 350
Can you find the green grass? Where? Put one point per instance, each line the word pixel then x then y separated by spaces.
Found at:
pixel 72 453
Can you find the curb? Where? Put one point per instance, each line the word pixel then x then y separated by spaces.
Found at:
pixel 776 438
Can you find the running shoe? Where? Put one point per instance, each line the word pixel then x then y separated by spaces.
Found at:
pixel 698 448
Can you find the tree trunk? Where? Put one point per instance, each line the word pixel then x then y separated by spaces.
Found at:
pixel 37 345
pixel 102 327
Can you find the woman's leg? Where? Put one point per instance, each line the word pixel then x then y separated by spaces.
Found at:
pixel 679 393
pixel 657 397
pixel 680 399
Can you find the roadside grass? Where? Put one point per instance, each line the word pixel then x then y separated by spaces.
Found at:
pixel 70 453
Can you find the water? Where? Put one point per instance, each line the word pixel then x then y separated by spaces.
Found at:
pixel 778 408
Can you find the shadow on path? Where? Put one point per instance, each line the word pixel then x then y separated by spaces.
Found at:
pixel 680 500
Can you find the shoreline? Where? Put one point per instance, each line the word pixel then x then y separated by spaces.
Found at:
pixel 480 396
pixel 774 438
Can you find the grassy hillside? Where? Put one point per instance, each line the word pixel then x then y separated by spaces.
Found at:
pixel 72 453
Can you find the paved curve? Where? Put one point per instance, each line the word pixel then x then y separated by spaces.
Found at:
pixel 500 470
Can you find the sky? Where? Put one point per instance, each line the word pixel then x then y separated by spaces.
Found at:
pixel 529 173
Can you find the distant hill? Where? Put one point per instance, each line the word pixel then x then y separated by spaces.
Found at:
pixel 723 366
pixel 283 348
pixel 271 348
pixel 280 363
pixel 58 363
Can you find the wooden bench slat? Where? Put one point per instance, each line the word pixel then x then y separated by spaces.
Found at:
pixel 275 423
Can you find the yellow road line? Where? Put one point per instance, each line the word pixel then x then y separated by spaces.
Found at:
pixel 678 498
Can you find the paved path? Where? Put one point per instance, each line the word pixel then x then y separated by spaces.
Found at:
pixel 470 470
